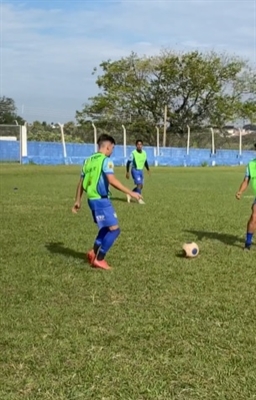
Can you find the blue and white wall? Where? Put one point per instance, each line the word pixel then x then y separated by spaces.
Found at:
pixel 48 153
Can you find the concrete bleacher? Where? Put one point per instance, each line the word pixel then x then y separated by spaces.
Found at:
pixel 51 153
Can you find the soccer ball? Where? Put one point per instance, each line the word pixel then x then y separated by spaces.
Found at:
pixel 190 249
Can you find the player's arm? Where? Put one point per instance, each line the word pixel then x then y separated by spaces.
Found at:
pixel 79 194
pixel 113 181
pixel 108 169
pixel 244 184
pixel 128 166
pixel 147 166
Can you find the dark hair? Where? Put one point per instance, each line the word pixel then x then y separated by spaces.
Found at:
pixel 139 141
pixel 105 138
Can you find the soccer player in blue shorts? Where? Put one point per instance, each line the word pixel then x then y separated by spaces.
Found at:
pixel 97 174
pixel 250 177
pixel 138 159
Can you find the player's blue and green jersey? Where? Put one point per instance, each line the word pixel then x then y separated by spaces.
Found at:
pixel 94 174
pixel 250 173
pixel 138 159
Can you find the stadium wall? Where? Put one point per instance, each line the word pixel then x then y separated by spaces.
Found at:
pixel 48 153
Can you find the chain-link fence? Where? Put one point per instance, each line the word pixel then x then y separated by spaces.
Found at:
pixel 11 132
pixel 203 140
pixel 147 133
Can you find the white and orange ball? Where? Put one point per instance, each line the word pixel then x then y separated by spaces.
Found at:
pixel 191 249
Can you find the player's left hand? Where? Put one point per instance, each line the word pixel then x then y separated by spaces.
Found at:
pixel 76 207
pixel 136 195
pixel 149 172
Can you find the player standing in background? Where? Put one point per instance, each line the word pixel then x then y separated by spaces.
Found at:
pixel 138 159
pixel 97 174
pixel 250 177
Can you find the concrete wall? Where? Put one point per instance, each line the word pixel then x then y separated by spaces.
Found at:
pixel 52 154
pixel 9 150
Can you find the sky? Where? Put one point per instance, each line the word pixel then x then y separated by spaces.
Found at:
pixel 48 48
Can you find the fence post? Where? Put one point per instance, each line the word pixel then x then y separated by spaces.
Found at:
pixel 124 143
pixel 24 144
pixel 165 126
pixel 157 141
pixel 240 147
pixel 157 150
pixel 63 141
pixel 188 141
pixel 95 137
pixel 213 148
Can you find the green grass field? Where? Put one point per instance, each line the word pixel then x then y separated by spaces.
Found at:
pixel 156 327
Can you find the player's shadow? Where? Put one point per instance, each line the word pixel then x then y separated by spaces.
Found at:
pixel 121 199
pixel 225 238
pixel 59 248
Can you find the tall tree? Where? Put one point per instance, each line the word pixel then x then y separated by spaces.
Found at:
pixel 8 111
pixel 198 89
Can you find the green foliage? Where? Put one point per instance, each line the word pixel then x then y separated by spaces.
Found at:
pixel 199 89
pixel 8 114
pixel 157 327
pixel 51 133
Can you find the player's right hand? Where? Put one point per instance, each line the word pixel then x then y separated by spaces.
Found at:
pixel 76 207
pixel 127 175
pixel 238 195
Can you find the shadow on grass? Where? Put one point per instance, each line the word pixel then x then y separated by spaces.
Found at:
pixel 59 248
pixel 123 200
pixel 225 238
pixel 180 254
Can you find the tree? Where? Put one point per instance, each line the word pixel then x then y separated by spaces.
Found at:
pixel 198 89
pixel 8 114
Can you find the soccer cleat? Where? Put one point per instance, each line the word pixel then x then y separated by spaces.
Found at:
pixel 101 264
pixel 247 246
pixel 140 201
pixel 91 256
pixel 128 198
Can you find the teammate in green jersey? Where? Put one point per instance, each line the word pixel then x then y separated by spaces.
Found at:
pixel 250 177
pixel 138 159
pixel 97 174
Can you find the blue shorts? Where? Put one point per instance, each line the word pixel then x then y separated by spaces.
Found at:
pixel 103 213
pixel 137 175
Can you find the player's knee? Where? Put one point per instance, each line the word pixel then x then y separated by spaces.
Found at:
pixel 253 217
pixel 114 228
pixel 115 231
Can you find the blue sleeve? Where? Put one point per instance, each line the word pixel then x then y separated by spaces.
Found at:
pixel 108 166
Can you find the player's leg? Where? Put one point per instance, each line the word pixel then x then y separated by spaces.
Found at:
pixel 134 177
pixel 251 227
pixel 110 232
pixel 137 176
pixel 140 182
pixel 96 207
pixel 99 238
pixel 108 241
pixel 97 244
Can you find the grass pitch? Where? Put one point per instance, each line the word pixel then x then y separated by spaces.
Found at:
pixel 157 327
